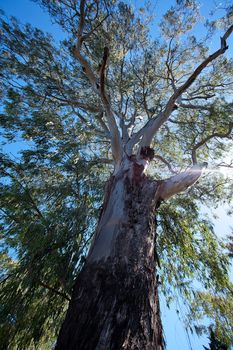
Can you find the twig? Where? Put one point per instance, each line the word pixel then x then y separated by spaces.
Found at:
pixel 166 162
pixel 64 295
pixel 202 142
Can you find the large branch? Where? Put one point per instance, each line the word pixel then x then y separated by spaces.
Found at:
pixel 153 125
pixel 77 49
pixel 115 136
pixel 180 182
pixel 192 97
pixel 100 90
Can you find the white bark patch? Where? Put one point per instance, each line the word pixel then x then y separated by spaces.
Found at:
pixel 115 214
pixel 108 227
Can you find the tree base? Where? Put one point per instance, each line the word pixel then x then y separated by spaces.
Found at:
pixel 113 308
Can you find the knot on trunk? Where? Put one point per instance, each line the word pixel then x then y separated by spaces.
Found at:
pixel 147 153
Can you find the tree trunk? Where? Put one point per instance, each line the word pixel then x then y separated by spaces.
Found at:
pixel 115 301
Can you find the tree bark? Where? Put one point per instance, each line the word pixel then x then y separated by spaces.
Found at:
pixel 115 301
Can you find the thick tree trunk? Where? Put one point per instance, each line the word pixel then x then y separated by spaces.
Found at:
pixel 115 301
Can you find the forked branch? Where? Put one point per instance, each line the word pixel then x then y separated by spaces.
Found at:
pixel 148 131
pixel 99 89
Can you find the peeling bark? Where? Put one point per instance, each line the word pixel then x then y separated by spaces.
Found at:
pixel 115 301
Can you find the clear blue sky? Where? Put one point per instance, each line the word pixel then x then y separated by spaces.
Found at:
pixel 28 11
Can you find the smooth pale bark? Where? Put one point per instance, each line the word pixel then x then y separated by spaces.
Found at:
pixel 180 182
pixel 115 302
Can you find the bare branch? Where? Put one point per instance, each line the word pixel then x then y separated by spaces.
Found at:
pixel 191 106
pixel 169 69
pixel 81 22
pixel 86 36
pixel 132 119
pixel 180 182
pixel 77 48
pixel 100 90
pixel 45 285
pixel 209 59
pixel 68 102
pixel 101 131
pixel 165 162
pixel 225 165
pixel 102 79
pixel 211 87
pixel 87 68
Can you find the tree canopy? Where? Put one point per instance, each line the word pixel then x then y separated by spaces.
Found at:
pixel 120 80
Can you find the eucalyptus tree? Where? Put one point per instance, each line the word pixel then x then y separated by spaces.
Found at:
pixel 154 111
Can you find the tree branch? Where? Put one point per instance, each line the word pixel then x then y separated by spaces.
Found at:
pixel 27 191
pixel 165 162
pixel 74 103
pixel 198 97
pixel 99 117
pixel 100 90
pixel 153 125
pixel 202 142
pixel 77 48
pixel 115 136
pixel 64 295
pixel 180 182
pixel 191 106
pixel 102 80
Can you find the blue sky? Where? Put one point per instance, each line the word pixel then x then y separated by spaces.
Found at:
pixel 27 11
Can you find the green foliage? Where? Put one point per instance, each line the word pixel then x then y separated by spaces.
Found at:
pixel 189 241
pixel 50 193
pixel 215 344
pixel 218 307
pixel 180 19
pixel 49 205
pixel 193 259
